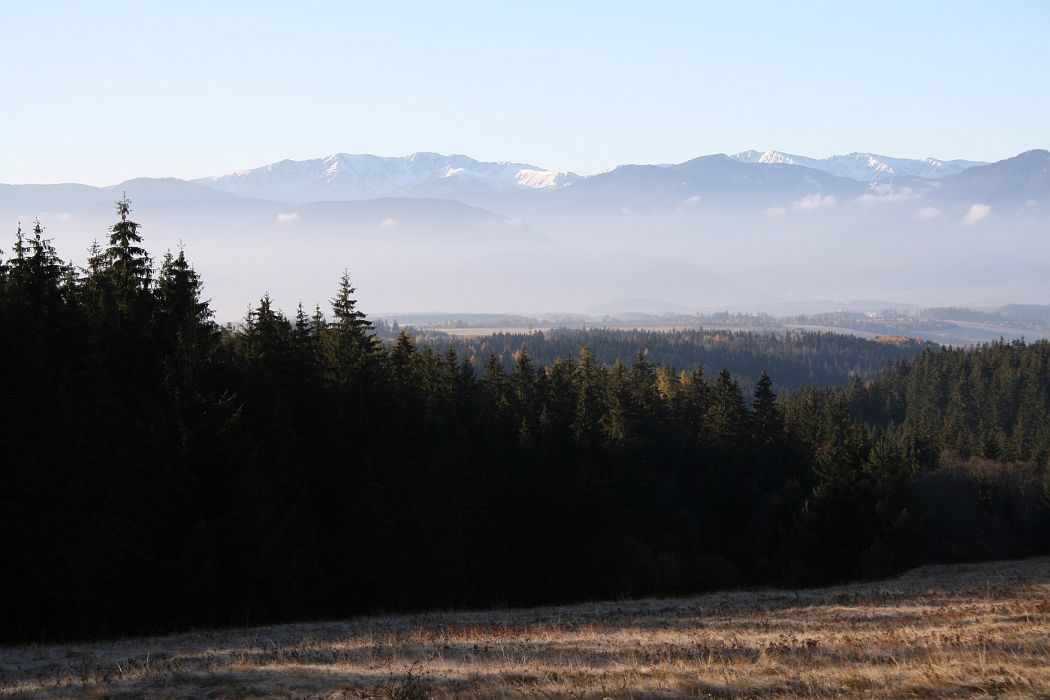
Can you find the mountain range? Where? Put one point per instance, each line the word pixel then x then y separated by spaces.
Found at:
pixel 437 232
pixel 863 167
pixel 346 176
pixel 364 176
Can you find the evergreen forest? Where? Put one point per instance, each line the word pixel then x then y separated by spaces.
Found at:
pixel 796 359
pixel 159 472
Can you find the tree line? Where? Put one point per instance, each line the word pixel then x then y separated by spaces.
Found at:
pixel 795 358
pixel 159 473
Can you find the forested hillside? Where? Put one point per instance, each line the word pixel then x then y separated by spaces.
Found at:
pixel 795 358
pixel 993 403
pixel 158 473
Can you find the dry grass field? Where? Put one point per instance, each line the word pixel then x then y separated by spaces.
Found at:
pixel 959 631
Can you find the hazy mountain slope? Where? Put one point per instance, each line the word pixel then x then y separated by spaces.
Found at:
pixel 707 233
pixel 66 202
pixel 715 181
pixel 397 248
pixel 441 222
pixel 25 202
pixel 1025 178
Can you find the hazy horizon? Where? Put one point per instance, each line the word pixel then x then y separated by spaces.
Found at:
pixel 685 157
pixel 236 101
pixel 201 90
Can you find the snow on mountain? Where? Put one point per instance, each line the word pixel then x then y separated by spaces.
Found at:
pixel 783 230
pixel 533 179
pixel 864 167
pixel 346 176
pixel 499 185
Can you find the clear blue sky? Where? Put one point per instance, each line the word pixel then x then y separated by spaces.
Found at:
pixel 101 91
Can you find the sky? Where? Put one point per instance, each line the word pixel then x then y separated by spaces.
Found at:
pixel 100 92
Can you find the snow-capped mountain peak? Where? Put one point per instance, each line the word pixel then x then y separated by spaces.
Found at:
pixel 753 156
pixel 777 157
pixel 863 167
pixel 348 176
pixel 534 179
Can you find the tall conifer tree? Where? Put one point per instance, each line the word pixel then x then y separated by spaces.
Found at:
pixel 179 294
pixel 127 263
pixel 766 419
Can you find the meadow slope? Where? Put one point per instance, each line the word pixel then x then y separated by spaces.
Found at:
pixel 939 631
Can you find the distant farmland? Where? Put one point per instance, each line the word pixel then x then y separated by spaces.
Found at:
pixel 959 631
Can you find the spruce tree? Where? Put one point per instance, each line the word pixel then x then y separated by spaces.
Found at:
pixel 614 420
pixel 19 250
pixel 95 287
pixel 403 360
pixel 587 383
pixel 524 391
pixel 348 345
pixel 523 382
pixel 267 333
pixel 36 271
pixel 318 322
pixel 696 397
pixel 348 318
pixel 726 417
pixel 495 384
pixel 128 265
pixel 179 296
pixel 304 338
pixel 766 419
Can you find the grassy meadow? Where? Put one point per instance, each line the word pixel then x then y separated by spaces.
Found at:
pixel 969 631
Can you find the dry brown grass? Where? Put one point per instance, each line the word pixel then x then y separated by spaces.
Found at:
pixel 959 631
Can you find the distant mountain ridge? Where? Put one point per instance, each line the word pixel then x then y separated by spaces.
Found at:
pixel 344 176
pixel 365 176
pixel 744 178
pixel 864 167
pixel 711 232
pixel 713 180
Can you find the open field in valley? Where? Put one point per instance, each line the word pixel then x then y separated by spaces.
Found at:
pixel 969 631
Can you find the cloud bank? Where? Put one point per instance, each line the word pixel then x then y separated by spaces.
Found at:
pixel 978 212
pixel 814 201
